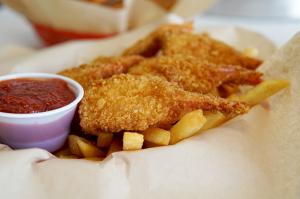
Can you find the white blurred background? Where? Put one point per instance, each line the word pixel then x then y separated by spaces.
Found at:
pixel 278 19
pixel 258 9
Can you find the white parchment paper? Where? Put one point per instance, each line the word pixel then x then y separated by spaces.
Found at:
pixel 253 156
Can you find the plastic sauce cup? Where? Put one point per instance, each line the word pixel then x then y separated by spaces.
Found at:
pixel 47 130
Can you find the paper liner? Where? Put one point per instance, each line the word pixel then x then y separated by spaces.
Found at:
pixel 283 144
pixel 11 55
pixel 252 156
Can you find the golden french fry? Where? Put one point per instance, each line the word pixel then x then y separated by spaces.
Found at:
pixel 157 136
pixel 132 141
pixel 73 146
pixel 89 150
pixel 213 120
pixel 94 159
pixel 104 139
pixel 62 152
pixel 69 157
pixel 187 126
pixel 115 146
pixel 65 153
pixel 251 52
pixel 83 148
pixel 261 92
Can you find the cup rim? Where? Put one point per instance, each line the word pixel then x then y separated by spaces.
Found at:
pixel 79 92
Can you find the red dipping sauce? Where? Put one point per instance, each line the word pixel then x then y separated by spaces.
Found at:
pixel 33 95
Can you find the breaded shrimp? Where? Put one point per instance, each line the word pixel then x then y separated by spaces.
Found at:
pixel 179 39
pixel 193 74
pixel 128 102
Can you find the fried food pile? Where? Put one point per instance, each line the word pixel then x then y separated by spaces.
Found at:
pixel 168 86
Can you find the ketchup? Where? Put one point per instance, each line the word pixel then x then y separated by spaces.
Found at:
pixel 33 95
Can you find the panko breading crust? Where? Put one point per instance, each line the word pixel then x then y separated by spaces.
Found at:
pixel 179 39
pixel 128 102
pixel 195 75
pixel 102 67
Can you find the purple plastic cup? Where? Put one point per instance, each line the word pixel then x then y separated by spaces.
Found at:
pixel 47 130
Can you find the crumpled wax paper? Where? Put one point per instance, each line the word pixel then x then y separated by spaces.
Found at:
pixel 252 156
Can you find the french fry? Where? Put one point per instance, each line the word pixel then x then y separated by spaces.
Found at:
pixel 132 141
pixel 96 159
pixel 104 139
pixel 254 96
pixel 187 126
pixel 251 52
pixel 69 157
pixel 89 150
pixel 73 146
pixel 62 152
pixel 261 92
pixel 115 146
pixel 65 153
pixel 156 137
pixel 213 120
pixel 83 148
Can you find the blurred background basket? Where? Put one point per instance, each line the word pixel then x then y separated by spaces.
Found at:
pixel 56 21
